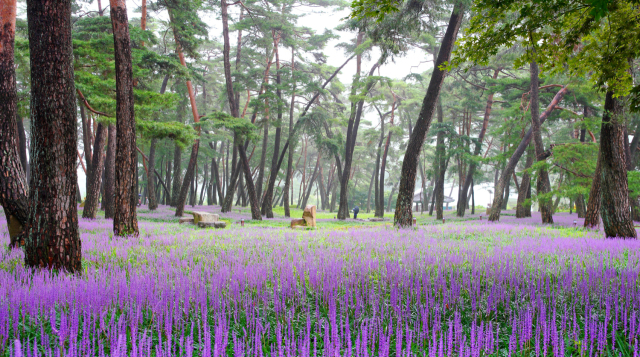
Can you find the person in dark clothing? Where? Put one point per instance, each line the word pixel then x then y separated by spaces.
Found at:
pixel 356 209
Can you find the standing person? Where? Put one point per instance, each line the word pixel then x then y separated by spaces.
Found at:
pixel 356 209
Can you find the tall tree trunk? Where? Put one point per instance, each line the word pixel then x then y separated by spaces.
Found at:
pixel 125 221
pixel 108 200
pixel 403 215
pixel 86 142
pixel 51 234
pixel 311 181
pixel 287 182
pixel 525 184
pixel 177 175
pixel 441 165
pixel 517 154
pixel 352 134
pixel 13 183
pixel 615 213
pixel 543 186
pixel 188 178
pixel 263 157
pixel 151 185
pixel 267 202
pixel 167 178
pixel 473 165
pixel 91 202
pixel 255 206
pixel 196 145
pixel 383 164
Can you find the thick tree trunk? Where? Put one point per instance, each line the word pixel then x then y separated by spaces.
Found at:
pixel 13 183
pixel 91 202
pixel 125 221
pixel 462 201
pixel 177 175
pixel 403 215
pixel 108 200
pixel 616 216
pixel 507 190
pixel 525 184
pixel 51 234
pixel 517 154
pixel 543 186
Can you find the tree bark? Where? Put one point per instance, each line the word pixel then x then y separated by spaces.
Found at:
pixel 125 221
pixel 110 174
pixel 151 185
pixel 95 180
pixel 616 216
pixel 22 139
pixel 13 183
pixel 404 216
pixel 592 218
pixel 462 199
pixel 525 184
pixel 51 234
pixel 517 154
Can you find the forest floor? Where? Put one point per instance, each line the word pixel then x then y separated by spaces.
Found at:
pixel 465 287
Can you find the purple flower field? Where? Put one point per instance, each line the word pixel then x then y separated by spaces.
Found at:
pixel 458 289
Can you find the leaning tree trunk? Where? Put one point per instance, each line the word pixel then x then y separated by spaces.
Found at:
pixel 13 185
pixel 517 154
pixel 615 213
pixel 51 234
pixel 522 206
pixel 404 214
pixel 110 173
pixel 95 180
pixel 125 220
pixel 543 186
